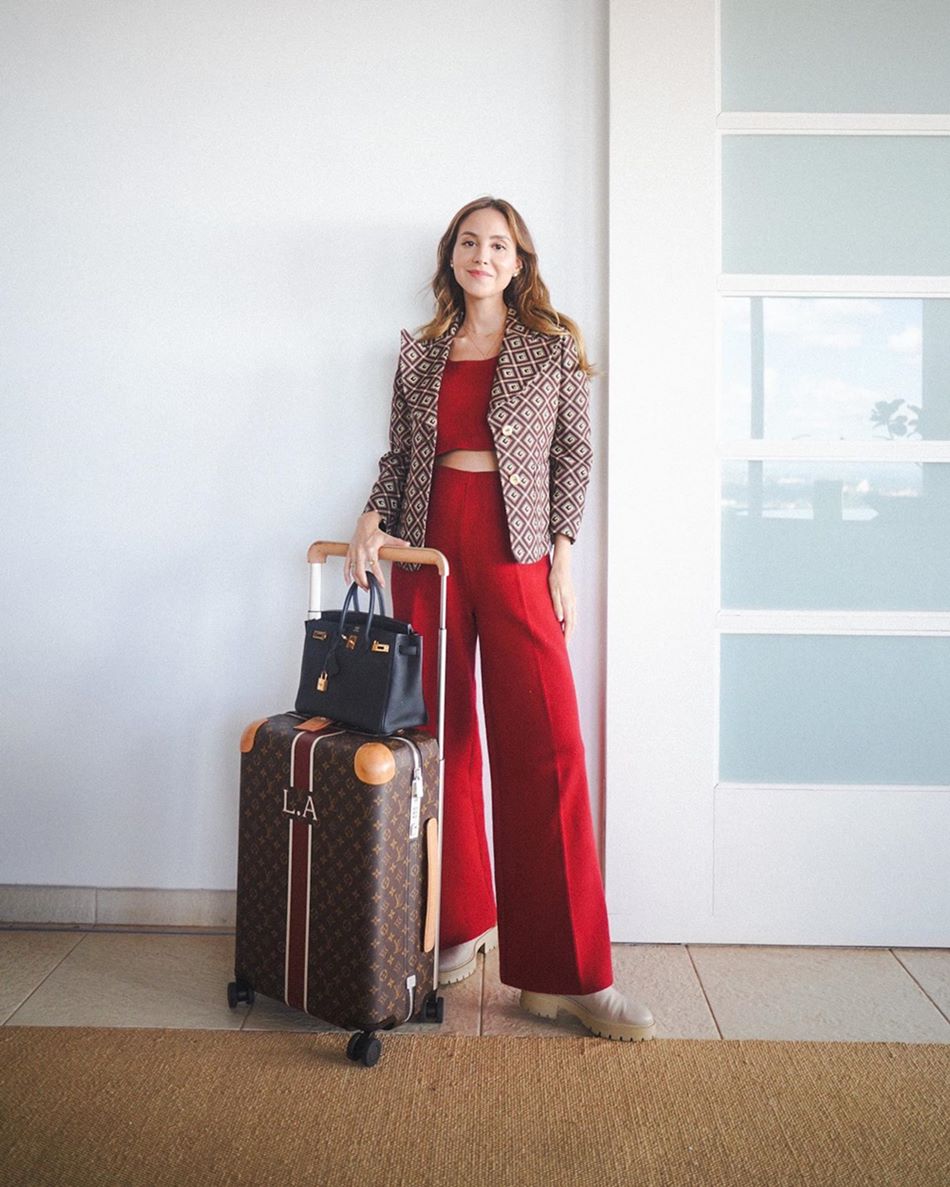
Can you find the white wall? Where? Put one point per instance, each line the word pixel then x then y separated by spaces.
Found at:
pixel 216 218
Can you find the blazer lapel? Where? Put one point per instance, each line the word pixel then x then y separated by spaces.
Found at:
pixel 422 364
pixel 524 366
pixel 517 363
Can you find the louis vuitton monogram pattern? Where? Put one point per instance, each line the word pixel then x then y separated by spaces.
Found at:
pixel 368 879
pixel 539 417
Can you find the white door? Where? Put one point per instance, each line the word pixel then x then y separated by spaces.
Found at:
pixel 778 668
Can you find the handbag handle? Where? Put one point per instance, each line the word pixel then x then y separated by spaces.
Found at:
pixel 374 589
pixel 352 595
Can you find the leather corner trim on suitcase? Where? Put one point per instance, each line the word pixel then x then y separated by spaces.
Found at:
pixel 250 733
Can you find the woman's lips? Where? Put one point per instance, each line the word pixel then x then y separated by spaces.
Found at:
pixel 472 272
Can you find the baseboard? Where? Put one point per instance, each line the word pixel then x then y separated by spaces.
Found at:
pixel 117 905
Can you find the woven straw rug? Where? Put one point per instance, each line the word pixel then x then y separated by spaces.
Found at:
pixel 154 1107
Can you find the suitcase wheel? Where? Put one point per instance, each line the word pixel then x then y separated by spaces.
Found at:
pixel 434 1008
pixel 364 1047
pixel 239 991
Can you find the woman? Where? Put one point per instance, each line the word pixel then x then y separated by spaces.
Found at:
pixel 489 462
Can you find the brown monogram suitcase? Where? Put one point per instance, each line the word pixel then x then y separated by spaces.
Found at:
pixel 339 853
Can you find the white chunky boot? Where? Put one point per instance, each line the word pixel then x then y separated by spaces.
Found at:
pixel 606 1013
pixel 460 961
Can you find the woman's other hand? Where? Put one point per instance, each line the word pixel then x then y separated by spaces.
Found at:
pixel 363 552
pixel 561 584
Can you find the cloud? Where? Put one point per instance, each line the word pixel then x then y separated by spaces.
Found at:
pixel 909 341
pixel 833 322
pixel 837 340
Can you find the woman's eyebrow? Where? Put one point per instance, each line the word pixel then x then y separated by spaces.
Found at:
pixel 472 233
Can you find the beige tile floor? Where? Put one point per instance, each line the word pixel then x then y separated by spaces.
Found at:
pixel 129 977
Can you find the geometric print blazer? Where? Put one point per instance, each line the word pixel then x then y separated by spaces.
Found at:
pixel 539 417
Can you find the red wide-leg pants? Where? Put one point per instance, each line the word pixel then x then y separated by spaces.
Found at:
pixel 553 934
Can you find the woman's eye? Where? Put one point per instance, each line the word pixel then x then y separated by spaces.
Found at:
pixel 470 243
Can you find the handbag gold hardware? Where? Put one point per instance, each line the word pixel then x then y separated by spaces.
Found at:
pixel 322 682
pixel 319 634
pixel 377 646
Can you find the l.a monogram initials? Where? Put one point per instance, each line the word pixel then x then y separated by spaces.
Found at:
pixel 299 803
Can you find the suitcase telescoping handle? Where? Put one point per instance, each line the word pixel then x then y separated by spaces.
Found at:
pixel 316 556
pixel 321 549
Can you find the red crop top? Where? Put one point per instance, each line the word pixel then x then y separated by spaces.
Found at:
pixel 463 405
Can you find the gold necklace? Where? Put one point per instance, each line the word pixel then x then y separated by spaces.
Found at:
pixel 470 335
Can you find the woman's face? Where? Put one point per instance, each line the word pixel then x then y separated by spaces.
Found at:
pixel 484 257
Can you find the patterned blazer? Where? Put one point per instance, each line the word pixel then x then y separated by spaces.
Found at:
pixel 539 418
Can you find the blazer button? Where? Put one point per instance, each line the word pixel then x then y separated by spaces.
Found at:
pixel 516 480
pixel 507 430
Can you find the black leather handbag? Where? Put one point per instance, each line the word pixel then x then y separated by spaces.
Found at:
pixel 362 669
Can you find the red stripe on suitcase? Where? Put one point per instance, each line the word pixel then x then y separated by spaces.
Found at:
pixel 299 857
pixel 300 759
pixel 298 915
pixel 298 880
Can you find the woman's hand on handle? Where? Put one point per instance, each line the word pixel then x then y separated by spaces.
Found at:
pixel 363 552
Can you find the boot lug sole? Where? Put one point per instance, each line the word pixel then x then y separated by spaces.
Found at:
pixel 546 1005
pixel 450 976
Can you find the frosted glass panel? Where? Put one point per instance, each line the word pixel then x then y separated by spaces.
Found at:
pixel 835 535
pixel 823 368
pixel 849 55
pixel 834 709
pixel 836 205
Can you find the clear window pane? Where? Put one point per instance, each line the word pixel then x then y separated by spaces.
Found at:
pixel 830 369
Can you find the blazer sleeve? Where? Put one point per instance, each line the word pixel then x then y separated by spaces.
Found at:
pixel 571 452
pixel 387 492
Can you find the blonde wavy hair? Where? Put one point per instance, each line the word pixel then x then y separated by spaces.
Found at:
pixel 526 293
